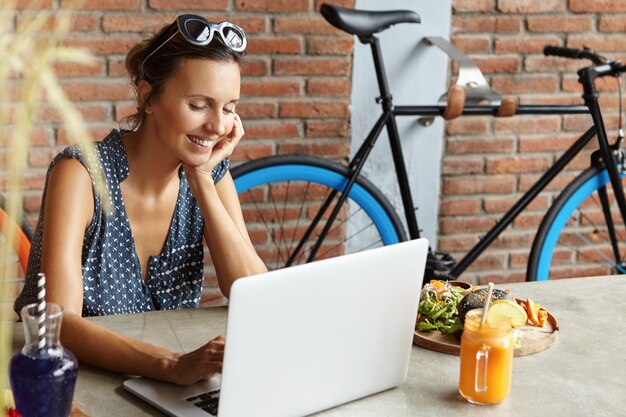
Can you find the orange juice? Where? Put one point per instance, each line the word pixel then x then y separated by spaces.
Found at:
pixel 486 360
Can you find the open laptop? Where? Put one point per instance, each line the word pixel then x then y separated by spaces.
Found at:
pixel 310 337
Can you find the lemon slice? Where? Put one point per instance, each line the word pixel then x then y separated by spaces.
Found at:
pixel 506 311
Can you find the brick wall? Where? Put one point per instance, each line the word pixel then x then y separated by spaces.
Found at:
pixel 296 93
pixel 489 162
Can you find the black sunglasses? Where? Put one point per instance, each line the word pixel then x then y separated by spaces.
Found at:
pixel 199 31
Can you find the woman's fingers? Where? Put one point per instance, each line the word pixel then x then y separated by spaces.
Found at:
pixel 200 364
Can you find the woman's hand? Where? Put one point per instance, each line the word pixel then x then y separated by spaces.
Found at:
pixel 200 364
pixel 223 149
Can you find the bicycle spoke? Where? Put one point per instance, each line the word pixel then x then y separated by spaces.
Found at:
pixel 586 240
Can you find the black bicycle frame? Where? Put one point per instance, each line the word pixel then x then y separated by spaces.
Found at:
pixel 388 119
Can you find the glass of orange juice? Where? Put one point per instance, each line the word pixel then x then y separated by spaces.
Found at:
pixel 486 360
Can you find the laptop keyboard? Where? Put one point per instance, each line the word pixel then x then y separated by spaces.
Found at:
pixel 207 401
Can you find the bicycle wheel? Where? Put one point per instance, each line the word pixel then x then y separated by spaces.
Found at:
pixel 280 196
pixel 573 239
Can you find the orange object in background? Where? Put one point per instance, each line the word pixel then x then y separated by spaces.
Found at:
pixel 486 361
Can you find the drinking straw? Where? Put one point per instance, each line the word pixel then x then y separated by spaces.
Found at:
pixel 41 311
pixel 486 304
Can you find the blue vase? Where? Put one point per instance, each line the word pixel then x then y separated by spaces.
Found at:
pixel 43 379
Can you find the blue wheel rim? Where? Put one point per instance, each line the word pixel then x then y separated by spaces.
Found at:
pixel 549 244
pixel 329 178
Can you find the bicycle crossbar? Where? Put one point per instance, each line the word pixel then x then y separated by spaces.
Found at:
pixel 488 110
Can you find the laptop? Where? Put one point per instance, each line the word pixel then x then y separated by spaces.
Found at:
pixel 309 337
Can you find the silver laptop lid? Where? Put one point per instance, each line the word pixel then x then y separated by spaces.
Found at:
pixel 310 337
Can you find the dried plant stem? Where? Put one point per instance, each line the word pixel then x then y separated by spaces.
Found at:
pixel 24 56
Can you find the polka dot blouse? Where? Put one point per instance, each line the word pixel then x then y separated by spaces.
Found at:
pixel 111 270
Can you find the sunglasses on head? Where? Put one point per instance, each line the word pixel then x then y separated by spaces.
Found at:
pixel 199 31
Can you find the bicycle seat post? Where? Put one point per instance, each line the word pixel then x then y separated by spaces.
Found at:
pixel 385 99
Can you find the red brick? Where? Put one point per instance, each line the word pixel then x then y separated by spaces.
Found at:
pixel 32 203
pixel 503 204
pixel 467 125
pixel 527 124
pixel 576 122
pixel 270 130
pixel 330 46
pixel 40 158
pixel 486 24
pixel 103 45
pixel 311 66
pixel 557 184
pixel 66 69
pixel 319 148
pixel 97 133
pixel 461 166
pixel 316 129
pixel 135 22
pixel 34 4
pixel 270 88
pixel 315 109
pixel 586 6
pixel 101 4
pixel 601 43
pixel 466 224
pixel 459 207
pixel 524 44
pixel 530 6
pixel 275 45
pixel 282 6
pixel 540 63
pixel 480 145
pixel 89 112
pixel 39 136
pixel 98 90
pixel 117 68
pixel 460 6
pixel 472 43
pixel 220 5
pixel 612 23
pixel 256 110
pixel 254 67
pixel 329 87
pixel 79 22
pixel 479 184
pixel 545 143
pixel 304 26
pixel 563 24
pixel 524 83
pixel 498 64
pixel 123 110
pixel 247 151
pixel 518 165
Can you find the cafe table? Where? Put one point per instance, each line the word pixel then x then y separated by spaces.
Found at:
pixel 582 374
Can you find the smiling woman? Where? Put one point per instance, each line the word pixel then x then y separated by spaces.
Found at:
pixel 170 190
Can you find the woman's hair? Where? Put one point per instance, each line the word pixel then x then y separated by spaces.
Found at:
pixel 164 63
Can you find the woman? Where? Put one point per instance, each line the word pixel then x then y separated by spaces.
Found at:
pixel 170 188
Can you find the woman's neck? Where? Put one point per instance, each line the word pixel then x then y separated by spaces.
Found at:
pixel 150 168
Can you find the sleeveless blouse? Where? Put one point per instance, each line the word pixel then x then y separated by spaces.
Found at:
pixel 112 280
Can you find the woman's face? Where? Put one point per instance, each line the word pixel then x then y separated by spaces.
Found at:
pixel 196 109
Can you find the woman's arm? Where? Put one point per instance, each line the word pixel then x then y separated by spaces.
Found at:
pixel 69 209
pixel 224 228
pixel 225 232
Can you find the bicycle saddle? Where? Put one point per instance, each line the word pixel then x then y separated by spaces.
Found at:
pixel 365 23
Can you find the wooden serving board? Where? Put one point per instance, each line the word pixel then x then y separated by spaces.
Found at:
pixel 534 339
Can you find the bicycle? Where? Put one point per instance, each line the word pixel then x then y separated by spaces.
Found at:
pixel 311 208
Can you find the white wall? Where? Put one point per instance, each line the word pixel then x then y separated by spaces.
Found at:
pixel 417 74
